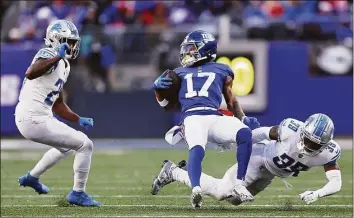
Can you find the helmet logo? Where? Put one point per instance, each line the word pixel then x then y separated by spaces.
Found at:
pixel 56 27
pixel 208 37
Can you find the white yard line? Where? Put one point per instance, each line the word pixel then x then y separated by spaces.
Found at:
pixel 70 187
pixel 156 196
pixel 207 216
pixel 180 206
pixel 118 181
pixel 23 144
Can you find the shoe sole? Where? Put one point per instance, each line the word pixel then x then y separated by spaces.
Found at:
pixel 78 205
pixel 155 187
pixel 40 193
pixel 197 200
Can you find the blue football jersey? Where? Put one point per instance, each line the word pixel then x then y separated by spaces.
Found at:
pixel 202 86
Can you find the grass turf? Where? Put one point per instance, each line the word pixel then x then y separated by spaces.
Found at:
pixel 121 180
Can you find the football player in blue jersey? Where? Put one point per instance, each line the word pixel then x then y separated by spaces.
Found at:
pixel 203 83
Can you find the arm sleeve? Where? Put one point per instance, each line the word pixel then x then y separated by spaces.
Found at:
pixel 46 53
pixel 333 185
pixel 260 134
pixel 288 128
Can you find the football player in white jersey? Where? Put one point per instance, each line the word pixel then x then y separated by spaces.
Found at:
pixel 40 97
pixel 280 151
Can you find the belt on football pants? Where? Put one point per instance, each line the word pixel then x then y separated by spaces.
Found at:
pixel 201 108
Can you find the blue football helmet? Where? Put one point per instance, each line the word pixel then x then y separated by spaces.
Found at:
pixel 197 46
pixel 316 134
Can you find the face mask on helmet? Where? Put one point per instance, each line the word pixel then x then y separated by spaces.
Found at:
pixel 189 54
pixel 309 147
pixel 74 45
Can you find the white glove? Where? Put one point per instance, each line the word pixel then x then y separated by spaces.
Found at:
pixel 309 196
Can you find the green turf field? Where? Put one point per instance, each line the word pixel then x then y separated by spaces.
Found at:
pixel 121 180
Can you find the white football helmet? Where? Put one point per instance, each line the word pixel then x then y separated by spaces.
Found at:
pixel 316 134
pixel 63 31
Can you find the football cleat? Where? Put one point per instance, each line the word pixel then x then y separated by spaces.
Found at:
pixel 242 193
pixel 196 197
pixel 33 182
pixel 183 165
pixel 81 199
pixel 164 177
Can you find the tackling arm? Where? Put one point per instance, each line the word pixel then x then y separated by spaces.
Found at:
pixel 231 101
pixel 265 133
pixel 334 183
pixel 62 109
pixel 40 67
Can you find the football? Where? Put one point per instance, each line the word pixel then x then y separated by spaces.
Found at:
pixel 171 94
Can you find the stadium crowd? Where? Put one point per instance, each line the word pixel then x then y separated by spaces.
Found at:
pixel 331 15
pixel 116 32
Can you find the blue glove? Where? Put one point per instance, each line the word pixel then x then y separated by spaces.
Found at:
pixel 86 122
pixel 162 82
pixel 251 122
pixel 62 49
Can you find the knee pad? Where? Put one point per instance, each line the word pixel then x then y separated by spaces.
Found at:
pixel 87 145
pixel 244 135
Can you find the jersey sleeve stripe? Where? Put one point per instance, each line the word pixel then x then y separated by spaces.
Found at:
pixel 331 163
pixel 48 50
pixel 337 155
pixel 280 128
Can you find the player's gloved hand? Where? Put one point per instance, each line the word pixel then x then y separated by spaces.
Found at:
pixel 62 49
pixel 309 196
pixel 162 82
pixel 251 122
pixel 86 122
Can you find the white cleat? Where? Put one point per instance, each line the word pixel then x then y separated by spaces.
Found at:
pixel 242 193
pixel 164 177
pixel 196 197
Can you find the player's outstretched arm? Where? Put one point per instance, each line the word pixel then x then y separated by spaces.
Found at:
pixel 61 109
pixel 265 133
pixel 40 67
pixel 231 101
pixel 333 185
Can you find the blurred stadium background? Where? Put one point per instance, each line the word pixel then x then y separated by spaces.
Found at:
pixel 301 53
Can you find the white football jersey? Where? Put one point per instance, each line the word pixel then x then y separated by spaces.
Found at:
pixel 283 157
pixel 37 96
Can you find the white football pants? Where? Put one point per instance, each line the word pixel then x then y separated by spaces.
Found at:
pixel 256 180
pixel 200 129
pixel 64 140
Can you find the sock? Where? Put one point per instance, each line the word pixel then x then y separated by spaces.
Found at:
pixel 49 159
pixel 82 164
pixel 244 150
pixel 209 185
pixel 196 155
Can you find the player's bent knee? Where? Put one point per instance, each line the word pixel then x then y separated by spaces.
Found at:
pixel 244 135
pixel 87 145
